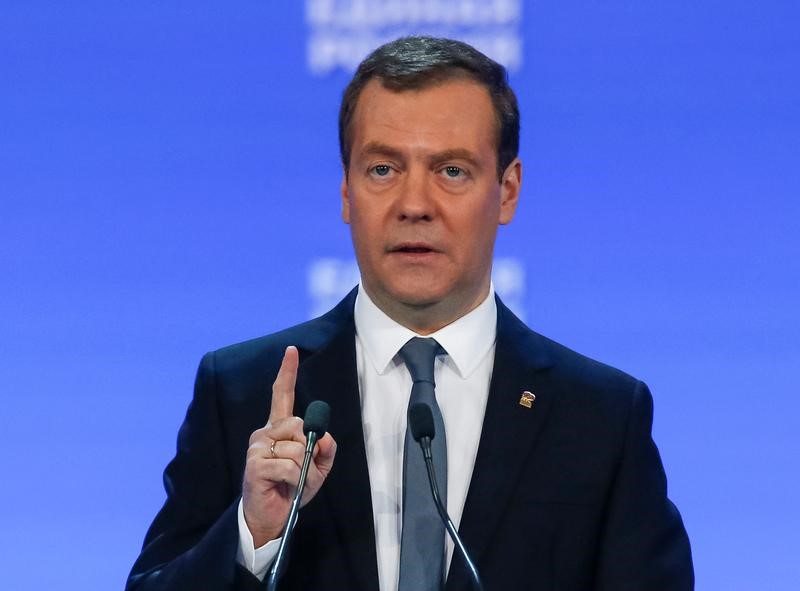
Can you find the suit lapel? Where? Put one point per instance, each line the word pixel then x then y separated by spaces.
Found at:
pixel 330 375
pixel 508 436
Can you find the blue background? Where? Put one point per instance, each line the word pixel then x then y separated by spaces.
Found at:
pixel 169 171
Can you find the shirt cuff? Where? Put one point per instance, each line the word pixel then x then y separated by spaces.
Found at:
pixel 256 560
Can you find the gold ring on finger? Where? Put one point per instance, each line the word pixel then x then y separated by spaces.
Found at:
pixel 272 449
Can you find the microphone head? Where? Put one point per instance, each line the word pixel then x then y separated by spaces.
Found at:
pixel 420 420
pixel 318 414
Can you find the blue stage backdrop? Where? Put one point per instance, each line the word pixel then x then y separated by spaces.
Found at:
pixel 169 185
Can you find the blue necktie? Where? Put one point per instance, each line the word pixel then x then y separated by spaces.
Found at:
pixel 422 557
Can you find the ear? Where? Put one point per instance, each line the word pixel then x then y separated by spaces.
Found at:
pixel 345 190
pixel 510 186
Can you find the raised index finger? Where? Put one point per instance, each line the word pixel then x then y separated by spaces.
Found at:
pixel 283 388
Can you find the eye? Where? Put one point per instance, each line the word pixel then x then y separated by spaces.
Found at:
pixel 381 170
pixel 454 172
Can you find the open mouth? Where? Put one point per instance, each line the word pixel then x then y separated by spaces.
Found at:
pixel 412 248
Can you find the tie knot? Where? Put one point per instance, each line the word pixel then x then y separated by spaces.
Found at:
pixel 419 355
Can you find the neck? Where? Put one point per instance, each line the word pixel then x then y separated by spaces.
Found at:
pixel 427 318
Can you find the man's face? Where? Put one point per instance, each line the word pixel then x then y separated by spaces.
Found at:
pixel 423 199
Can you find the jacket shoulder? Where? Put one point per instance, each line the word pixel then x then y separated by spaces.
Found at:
pixel 267 351
pixel 585 371
pixel 573 372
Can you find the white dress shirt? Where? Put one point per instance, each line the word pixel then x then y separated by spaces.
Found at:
pixel 462 387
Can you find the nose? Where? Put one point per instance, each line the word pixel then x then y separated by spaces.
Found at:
pixel 415 200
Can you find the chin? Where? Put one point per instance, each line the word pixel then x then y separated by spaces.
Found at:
pixel 415 294
pixel 421 298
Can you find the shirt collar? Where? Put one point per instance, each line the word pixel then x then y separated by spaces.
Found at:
pixel 466 340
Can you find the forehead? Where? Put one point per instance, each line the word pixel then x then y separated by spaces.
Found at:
pixel 456 113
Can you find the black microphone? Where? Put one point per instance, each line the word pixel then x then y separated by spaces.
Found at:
pixel 420 420
pixel 315 424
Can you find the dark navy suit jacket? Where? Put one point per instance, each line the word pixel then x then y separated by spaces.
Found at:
pixel 567 495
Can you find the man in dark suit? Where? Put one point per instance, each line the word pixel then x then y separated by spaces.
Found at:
pixel 552 474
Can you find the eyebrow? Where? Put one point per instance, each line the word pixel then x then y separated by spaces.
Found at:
pixel 449 154
pixel 454 154
pixel 382 149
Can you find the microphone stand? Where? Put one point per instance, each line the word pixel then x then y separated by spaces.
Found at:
pixel 315 425
pixel 280 558
pixel 423 429
pixel 425 443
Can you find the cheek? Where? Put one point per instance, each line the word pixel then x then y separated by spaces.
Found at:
pixel 483 220
pixel 478 234
pixel 365 230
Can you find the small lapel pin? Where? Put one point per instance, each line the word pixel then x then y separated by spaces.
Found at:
pixel 527 399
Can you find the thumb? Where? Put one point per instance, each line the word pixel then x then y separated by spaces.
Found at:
pixel 325 453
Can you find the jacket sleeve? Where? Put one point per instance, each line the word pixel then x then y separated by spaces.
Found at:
pixel 645 545
pixel 192 542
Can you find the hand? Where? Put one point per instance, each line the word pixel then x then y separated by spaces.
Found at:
pixel 275 457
